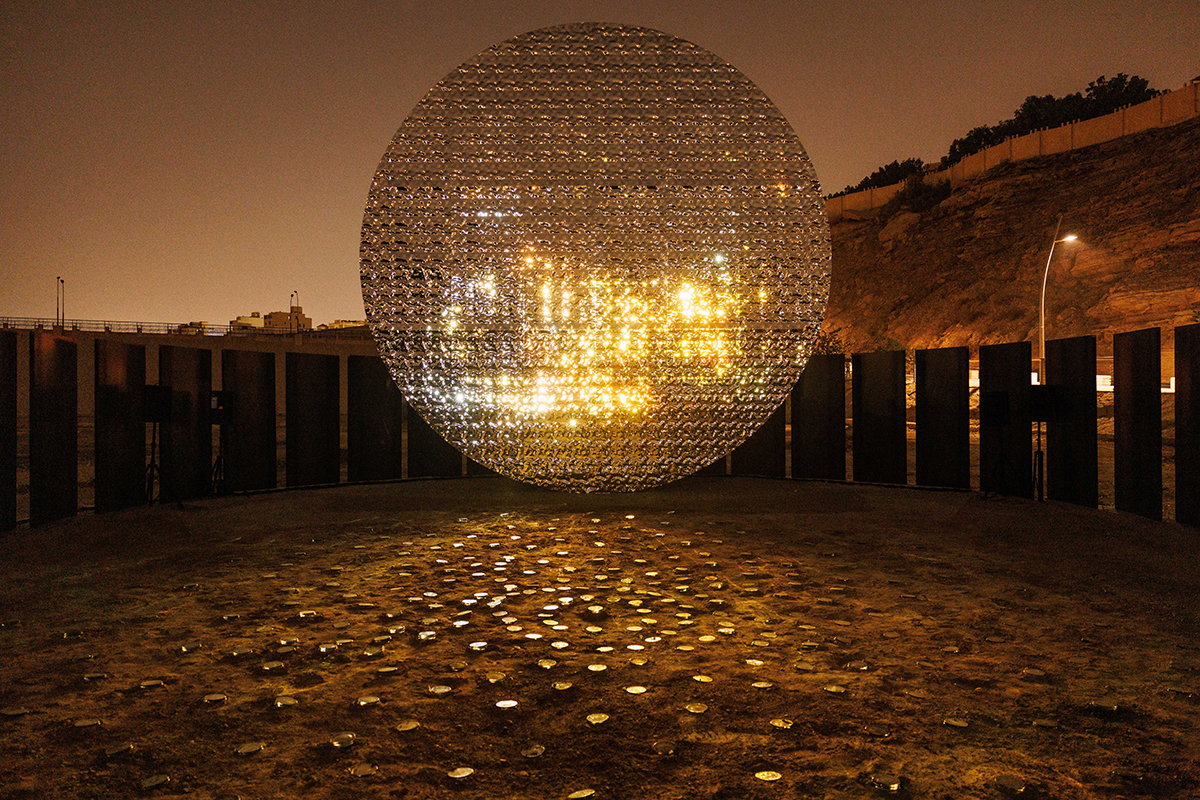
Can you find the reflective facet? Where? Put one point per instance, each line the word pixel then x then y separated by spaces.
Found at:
pixel 595 257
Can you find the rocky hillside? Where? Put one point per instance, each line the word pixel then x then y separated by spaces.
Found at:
pixel 968 270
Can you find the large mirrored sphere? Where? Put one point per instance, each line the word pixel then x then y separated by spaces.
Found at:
pixel 595 257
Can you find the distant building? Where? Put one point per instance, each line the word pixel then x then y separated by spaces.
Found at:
pixel 293 320
pixel 286 321
pixel 255 320
pixel 337 324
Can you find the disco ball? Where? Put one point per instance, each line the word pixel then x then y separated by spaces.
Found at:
pixel 595 257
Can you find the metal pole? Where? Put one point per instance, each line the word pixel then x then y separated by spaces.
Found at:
pixel 1038 462
pixel 1042 315
pixel 1039 466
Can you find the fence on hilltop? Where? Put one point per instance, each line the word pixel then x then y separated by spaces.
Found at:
pixel 1169 108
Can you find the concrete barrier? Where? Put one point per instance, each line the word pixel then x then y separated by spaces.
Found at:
pixel 1024 147
pixel 1143 116
pixel 1100 129
pixel 1056 140
pixel 1180 105
pixel 973 165
pixel 997 154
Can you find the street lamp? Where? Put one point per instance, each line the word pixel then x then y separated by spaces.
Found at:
pixel 1038 458
pixel 1070 237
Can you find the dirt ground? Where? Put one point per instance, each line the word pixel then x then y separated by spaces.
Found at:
pixel 792 640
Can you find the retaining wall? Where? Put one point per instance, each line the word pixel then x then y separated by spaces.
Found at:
pixel 1169 108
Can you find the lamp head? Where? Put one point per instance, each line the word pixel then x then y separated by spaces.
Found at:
pixel 1070 237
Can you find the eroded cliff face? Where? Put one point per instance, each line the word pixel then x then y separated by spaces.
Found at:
pixel 968 271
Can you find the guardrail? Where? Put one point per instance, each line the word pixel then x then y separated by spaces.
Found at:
pixel 175 328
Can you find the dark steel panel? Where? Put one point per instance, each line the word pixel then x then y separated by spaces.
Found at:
pixel 878 412
pixel 53 427
pixel 429 455
pixel 819 419
pixel 1187 425
pixel 475 468
pixel 313 426
pixel 1071 457
pixel 1137 423
pixel 375 420
pixel 8 430
pixel 120 381
pixel 1005 423
pixel 765 452
pixel 186 463
pixel 944 417
pixel 156 403
pixel 248 437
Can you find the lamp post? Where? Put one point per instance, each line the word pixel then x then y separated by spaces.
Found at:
pixel 293 300
pixel 60 302
pixel 1070 237
pixel 1038 458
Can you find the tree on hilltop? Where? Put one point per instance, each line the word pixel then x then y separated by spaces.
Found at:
pixel 1122 90
pixel 887 175
pixel 1103 96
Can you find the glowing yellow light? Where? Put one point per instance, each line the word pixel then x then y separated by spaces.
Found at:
pixel 576 320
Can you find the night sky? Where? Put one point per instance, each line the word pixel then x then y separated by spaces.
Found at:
pixel 195 161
